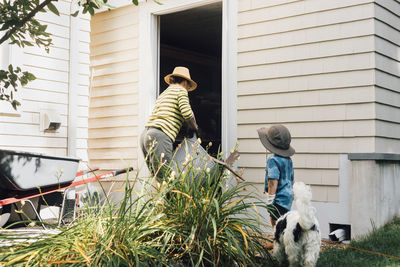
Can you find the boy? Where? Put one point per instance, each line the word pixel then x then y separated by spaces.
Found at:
pixel 279 172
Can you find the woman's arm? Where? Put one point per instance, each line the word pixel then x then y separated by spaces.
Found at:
pixel 191 122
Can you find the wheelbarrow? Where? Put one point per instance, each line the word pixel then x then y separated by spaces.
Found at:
pixel 24 176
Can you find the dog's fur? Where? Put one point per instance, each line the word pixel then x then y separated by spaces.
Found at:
pixel 297 237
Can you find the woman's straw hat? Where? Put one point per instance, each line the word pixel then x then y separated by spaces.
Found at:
pixel 277 140
pixel 184 73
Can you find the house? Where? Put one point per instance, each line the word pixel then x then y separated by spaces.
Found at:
pixel 61 89
pixel 328 70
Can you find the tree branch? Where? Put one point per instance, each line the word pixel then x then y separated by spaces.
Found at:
pixel 24 20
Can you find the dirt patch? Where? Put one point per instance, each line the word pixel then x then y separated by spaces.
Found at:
pixel 325 244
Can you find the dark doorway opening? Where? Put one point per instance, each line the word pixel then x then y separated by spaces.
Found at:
pixel 193 38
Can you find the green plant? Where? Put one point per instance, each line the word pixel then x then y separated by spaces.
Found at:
pixel 11 77
pixel 180 222
pixel 211 222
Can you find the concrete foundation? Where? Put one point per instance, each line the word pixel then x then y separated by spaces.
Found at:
pixel 369 194
pixel 375 196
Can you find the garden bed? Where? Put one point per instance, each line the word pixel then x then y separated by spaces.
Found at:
pixel 206 222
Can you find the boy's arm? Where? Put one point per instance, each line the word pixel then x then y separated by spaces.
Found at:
pixel 273 175
pixel 272 186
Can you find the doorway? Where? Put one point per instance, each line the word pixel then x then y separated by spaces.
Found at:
pixel 193 38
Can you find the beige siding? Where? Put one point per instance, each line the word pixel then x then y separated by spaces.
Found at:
pixel 387 75
pixel 114 91
pixel 50 90
pixel 308 65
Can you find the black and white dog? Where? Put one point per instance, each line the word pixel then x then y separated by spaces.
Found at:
pixel 297 237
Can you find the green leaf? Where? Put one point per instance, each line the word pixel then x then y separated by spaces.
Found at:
pixel 31 77
pixel 215 228
pixel 75 14
pixel 3 74
pixel 200 258
pixel 23 81
pixel 27 43
pixel 5 26
pixel 42 28
pixel 15 104
pixel 53 8
pixel 216 206
pixel 136 2
pixel 101 3
pixel 15 42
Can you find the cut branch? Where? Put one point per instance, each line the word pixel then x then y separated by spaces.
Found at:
pixel 25 20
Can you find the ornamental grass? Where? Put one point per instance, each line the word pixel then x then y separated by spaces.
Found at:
pixel 210 220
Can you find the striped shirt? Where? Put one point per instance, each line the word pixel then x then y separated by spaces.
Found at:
pixel 171 109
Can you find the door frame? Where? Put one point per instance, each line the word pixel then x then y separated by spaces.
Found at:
pixel 149 63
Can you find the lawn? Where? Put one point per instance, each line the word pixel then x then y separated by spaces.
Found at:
pixel 385 240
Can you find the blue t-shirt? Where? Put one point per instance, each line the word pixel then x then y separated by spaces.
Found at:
pixel 281 168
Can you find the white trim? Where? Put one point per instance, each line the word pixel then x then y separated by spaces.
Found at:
pixel 73 81
pixel 148 56
pixel 148 38
pixel 229 75
pixel 5 55
pixel 173 6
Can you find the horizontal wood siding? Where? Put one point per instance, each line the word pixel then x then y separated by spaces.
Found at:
pixel 310 66
pixel 113 121
pixel 50 90
pixel 387 75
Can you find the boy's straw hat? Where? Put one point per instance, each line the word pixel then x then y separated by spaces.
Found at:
pixel 184 73
pixel 277 140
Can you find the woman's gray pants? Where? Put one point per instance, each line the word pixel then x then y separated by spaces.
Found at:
pixel 157 150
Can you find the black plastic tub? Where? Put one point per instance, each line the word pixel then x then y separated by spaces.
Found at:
pixel 23 171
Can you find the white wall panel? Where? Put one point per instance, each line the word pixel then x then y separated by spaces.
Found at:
pixel 49 91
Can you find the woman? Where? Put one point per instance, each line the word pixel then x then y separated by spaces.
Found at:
pixel 171 109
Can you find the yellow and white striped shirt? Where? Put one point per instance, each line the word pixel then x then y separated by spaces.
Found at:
pixel 171 109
